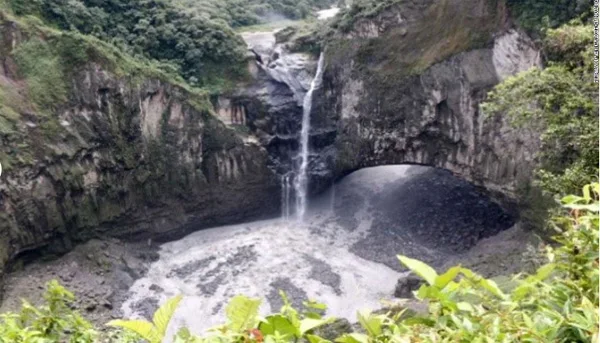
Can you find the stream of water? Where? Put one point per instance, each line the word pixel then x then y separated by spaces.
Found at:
pixel 326 257
pixel 301 181
pixel 343 253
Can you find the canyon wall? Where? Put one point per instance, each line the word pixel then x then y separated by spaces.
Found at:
pixel 130 156
pixel 405 86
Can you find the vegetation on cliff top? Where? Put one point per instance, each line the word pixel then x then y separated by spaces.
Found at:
pixel 538 15
pixel 561 100
pixel 194 38
pixel 201 50
pixel 238 13
pixel 557 303
pixel 46 62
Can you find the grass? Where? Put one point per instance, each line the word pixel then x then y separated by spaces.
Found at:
pixel 43 72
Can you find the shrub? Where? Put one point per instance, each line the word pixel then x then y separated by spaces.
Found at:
pixel 52 322
pixel 562 101
pixel 536 15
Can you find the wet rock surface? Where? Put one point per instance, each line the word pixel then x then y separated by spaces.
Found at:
pixel 335 329
pixel 294 294
pixel 434 210
pixel 324 273
pixel 406 285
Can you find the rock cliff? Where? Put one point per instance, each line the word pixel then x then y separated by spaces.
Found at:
pixel 404 84
pixel 130 155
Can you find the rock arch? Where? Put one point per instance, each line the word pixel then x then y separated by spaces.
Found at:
pixel 430 118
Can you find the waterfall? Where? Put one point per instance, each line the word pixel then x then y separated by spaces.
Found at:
pixel 332 198
pixel 285 196
pixel 301 181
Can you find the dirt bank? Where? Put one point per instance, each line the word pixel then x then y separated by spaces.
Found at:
pixel 99 273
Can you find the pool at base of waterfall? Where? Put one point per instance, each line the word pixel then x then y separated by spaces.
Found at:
pixel 343 254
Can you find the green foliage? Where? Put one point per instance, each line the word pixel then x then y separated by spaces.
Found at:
pixel 424 271
pixel 559 303
pixel 243 324
pixel 537 15
pixel 52 322
pixel 41 66
pixel 307 36
pixel 238 13
pixel 202 50
pixel 242 313
pixel 360 9
pixel 562 101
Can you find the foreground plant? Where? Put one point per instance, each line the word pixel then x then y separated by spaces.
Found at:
pixel 152 332
pixel 53 322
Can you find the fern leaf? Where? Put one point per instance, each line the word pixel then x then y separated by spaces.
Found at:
pixel 163 315
pixel 242 313
pixel 419 268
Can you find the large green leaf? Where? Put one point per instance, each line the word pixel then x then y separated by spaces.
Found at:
pixel 544 271
pixel 278 323
pixel 419 268
pixel 353 338
pixel 316 339
pixel 163 315
pixel 143 328
pixel 242 313
pixel 371 323
pixel 443 280
pixel 308 324
pixel 492 287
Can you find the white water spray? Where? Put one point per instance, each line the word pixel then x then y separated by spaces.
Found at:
pixel 286 186
pixel 301 181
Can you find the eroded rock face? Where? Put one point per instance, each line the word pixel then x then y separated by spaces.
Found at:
pixel 270 106
pixel 142 159
pixel 400 88
pixel 126 158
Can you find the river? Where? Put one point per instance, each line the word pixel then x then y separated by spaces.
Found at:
pixel 343 254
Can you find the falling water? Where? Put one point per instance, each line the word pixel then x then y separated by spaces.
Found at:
pixel 286 186
pixel 301 181
pixel 332 197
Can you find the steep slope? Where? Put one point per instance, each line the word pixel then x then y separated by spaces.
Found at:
pixel 403 83
pixel 94 143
